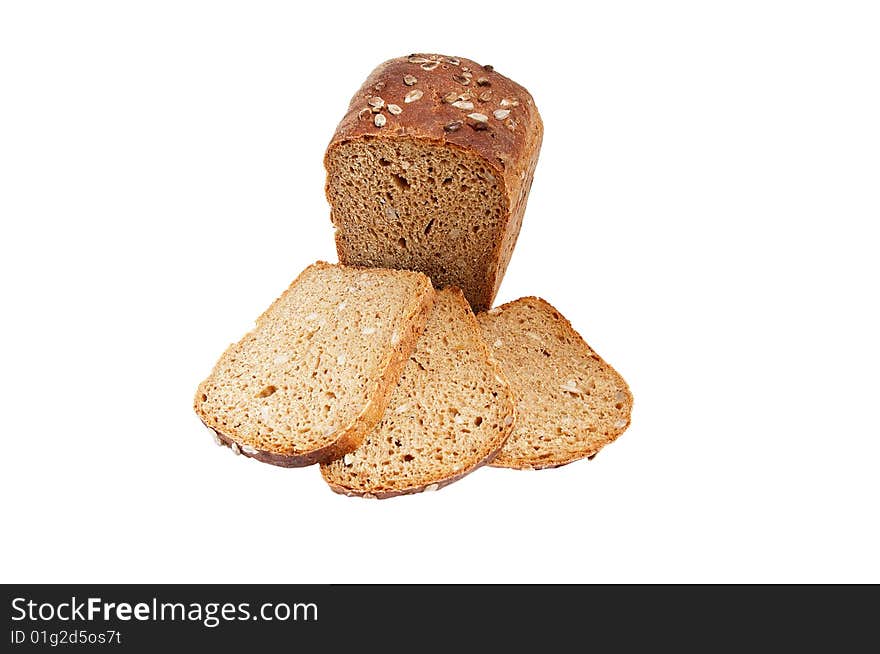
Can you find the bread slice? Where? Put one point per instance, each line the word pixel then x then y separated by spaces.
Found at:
pixel 450 413
pixel 430 169
pixel 315 375
pixel 569 402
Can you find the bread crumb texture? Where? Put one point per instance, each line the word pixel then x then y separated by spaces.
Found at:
pixel 569 402
pixel 306 376
pixel 451 411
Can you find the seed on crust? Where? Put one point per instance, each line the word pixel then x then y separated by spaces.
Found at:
pixel 483 81
pixel 379 120
pixel 489 67
pixel 364 113
pixel 509 103
pixel 464 106
pixel 394 109
pixel 417 59
pixel 431 488
pixel 501 114
pixel 461 79
pixel 376 102
pixel 409 80
pixel 453 60
pixel 511 125
pixel 485 96
pixel 454 126
pixel 430 65
pixel 478 121
pixel 413 95
pixel 379 86
pixel 450 97
pixel 236 450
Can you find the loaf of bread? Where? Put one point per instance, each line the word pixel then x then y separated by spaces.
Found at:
pixel 569 402
pixel 450 413
pixel 315 375
pixel 430 170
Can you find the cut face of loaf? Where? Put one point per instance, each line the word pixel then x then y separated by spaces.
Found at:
pixel 569 402
pixel 451 412
pixel 314 376
pixel 430 170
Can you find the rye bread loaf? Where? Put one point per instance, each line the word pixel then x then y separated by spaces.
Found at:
pixel 569 402
pixel 430 170
pixel 451 412
pixel 315 375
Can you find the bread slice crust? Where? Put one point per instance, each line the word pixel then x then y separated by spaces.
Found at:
pixel 410 318
pixel 450 413
pixel 570 402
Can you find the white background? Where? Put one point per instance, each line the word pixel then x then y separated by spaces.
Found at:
pixel 705 212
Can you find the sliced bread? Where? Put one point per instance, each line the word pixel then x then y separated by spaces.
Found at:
pixel 315 375
pixel 569 402
pixel 451 412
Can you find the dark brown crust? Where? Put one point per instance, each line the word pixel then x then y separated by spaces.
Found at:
pixel 351 436
pixel 589 452
pixel 512 154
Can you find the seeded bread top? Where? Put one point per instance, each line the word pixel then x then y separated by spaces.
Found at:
pixel 448 100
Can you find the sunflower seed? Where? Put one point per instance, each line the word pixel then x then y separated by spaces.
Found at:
pixel 409 80
pixel 450 97
pixel 464 106
pixel 216 437
pixel 461 79
pixel 479 119
pixel 417 59
pixel 249 449
pixel 379 86
pixel 489 67
pixel 453 60
pixel 509 103
pixel 236 450
pixel 501 114
pixel 431 65
pixel 394 109
pixel 454 126
pixel 465 69
pixel 413 95
pixel 376 102
pixel 485 96
pixel 379 120
pixel 364 113
pixel 483 81
pixel 430 488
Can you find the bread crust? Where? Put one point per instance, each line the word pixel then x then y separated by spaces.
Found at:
pixel 508 146
pixel 352 435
